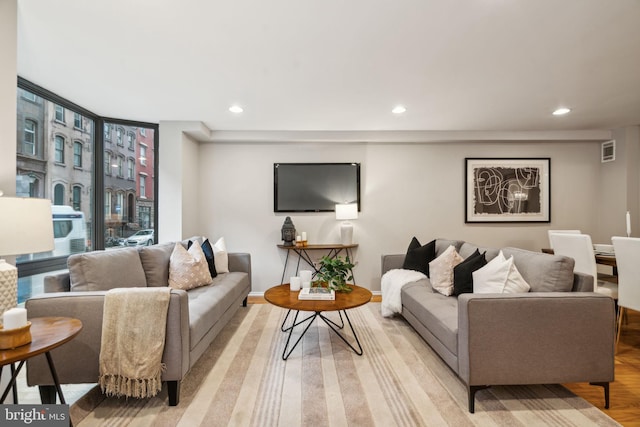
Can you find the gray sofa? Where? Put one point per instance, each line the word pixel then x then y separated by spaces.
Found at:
pixel 194 317
pixel 559 332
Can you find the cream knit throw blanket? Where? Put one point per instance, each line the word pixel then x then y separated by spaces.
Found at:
pixel 133 335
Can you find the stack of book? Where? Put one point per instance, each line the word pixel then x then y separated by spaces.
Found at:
pixel 317 294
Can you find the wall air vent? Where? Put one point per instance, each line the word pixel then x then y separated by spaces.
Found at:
pixel 608 151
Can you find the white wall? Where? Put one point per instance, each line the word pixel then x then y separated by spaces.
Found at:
pixel 407 190
pixel 8 81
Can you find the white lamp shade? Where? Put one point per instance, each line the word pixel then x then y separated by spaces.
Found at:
pixel 347 211
pixel 26 225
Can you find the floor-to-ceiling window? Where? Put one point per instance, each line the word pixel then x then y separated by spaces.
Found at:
pixel 80 162
pixel 130 209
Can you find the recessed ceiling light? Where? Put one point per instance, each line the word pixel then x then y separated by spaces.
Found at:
pixel 398 109
pixel 561 111
pixel 236 109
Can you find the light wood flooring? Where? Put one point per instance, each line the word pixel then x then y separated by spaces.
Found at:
pixel 625 390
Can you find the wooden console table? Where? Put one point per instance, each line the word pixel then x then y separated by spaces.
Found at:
pixel 333 249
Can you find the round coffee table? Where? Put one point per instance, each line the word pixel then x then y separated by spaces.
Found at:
pixel 281 296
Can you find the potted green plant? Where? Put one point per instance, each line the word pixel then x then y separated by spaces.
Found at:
pixel 335 272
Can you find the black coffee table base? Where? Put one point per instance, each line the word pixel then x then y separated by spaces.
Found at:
pixel 309 320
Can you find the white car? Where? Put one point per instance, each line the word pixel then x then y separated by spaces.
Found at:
pixel 141 238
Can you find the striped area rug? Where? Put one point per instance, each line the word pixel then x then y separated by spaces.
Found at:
pixel 399 381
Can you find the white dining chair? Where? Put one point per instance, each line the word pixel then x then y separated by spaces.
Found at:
pixel 549 232
pixel 627 251
pixel 580 248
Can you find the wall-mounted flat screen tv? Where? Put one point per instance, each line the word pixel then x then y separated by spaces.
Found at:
pixel 314 187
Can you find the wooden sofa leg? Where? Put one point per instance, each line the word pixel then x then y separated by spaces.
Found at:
pixel 47 394
pixel 244 302
pixel 173 388
pixel 605 385
pixel 472 389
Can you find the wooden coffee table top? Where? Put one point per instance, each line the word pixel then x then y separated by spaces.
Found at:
pixel 283 297
pixel 47 333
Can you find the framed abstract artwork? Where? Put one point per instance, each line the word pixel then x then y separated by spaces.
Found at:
pixel 507 190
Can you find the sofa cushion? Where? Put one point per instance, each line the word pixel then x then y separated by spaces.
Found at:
pixel 543 272
pixel 469 248
pixel 104 270
pixel 436 312
pixel 463 272
pixel 207 304
pixel 418 256
pixel 188 269
pixel 441 270
pixel 443 244
pixel 155 262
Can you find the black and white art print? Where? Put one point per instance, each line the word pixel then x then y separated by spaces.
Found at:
pixel 507 190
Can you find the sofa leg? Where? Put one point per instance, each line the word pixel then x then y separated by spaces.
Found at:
pixel 605 385
pixel 472 389
pixel 173 389
pixel 244 302
pixel 47 394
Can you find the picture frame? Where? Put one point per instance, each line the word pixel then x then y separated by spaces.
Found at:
pixel 507 190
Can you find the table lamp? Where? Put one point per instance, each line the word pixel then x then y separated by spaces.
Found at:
pixel 26 226
pixel 346 212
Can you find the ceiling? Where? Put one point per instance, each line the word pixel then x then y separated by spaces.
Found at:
pixel 335 65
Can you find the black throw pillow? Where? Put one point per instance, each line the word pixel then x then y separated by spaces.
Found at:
pixel 208 254
pixel 463 272
pixel 418 257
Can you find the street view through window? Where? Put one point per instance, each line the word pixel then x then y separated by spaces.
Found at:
pixel 55 160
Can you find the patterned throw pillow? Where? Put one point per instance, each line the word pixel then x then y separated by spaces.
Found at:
pixel 188 269
pixel 441 270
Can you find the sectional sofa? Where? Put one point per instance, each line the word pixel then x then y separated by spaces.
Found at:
pixel 194 318
pixel 558 332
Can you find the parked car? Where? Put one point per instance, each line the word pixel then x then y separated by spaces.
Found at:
pixel 141 238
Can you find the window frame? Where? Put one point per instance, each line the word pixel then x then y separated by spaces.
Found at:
pixel 57 149
pixel 77 155
pixel 34 133
pixel 97 194
pixel 61 112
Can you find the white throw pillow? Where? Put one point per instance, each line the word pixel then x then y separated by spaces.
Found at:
pixel 499 276
pixel 441 270
pixel 491 278
pixel 220 256
pixel 188 269
pixel 515 281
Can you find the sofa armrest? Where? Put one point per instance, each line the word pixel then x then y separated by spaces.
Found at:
pixel 240 262
pixel 78 360
pixel 390 262
pixel 582 282
pixel 60 282
pixel 535 338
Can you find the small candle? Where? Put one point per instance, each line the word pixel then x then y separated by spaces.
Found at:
pixel 294 283
pixel 14 318
pixel 305 276
pixel 298 239
pixel 628 224
pixel 304 236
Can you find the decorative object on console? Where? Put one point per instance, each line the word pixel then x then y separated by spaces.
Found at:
pixel 25 227
pixel 346 212
pixel 335 272
pixel 288 232
pixel 508 190
pixel 628 224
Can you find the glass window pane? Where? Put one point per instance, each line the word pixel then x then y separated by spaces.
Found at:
pixel 129 202
pixel 41 172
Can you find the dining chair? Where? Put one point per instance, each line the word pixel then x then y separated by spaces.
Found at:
pixel 580 248
pixel 549 232
pixel 627 251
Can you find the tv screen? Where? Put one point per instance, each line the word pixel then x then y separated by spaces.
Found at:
pixel 314 187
